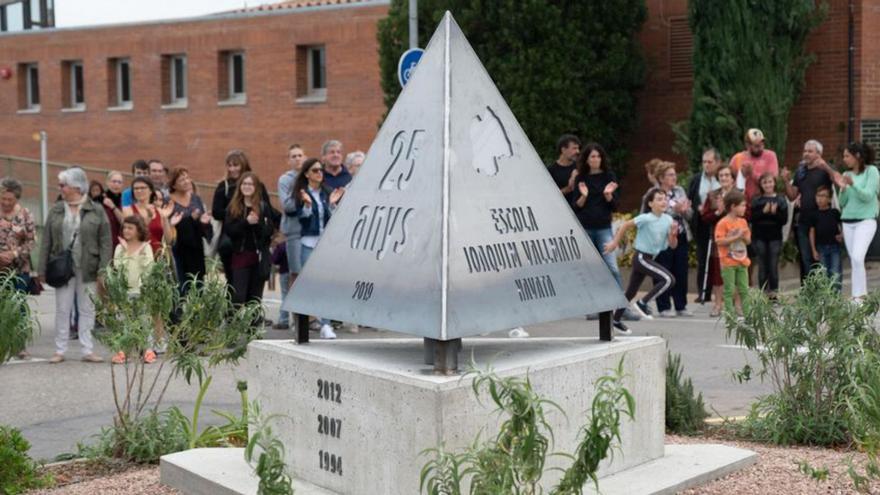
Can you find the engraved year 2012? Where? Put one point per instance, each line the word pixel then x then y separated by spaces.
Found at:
pixel 328 390
pixel 330 462
pixel 329 426
pixel 363 291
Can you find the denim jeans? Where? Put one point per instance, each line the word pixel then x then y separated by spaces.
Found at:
pixel 306 252
pixel 829 257
pixel 600 237
pixel 283 316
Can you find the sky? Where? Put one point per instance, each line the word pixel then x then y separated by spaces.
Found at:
pixel 92 12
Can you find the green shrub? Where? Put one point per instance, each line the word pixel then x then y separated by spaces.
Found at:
pixel 570 66
pixel 19 322
pixel 209 330
pixel 684 412
pixel 740 46
pixel 814 349
pixel 18 472
pixel 513 461
pixel 269 453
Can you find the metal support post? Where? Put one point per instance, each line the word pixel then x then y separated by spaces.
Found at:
pixel 605 326
pixel 443 354
pixel 302 328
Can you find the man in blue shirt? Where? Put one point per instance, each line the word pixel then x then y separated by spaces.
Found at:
pixel 138 168
pixel 335 173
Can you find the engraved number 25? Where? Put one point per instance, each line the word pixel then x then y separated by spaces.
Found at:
pixel 405 149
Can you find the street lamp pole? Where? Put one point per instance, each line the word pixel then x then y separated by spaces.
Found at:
pixel 44 175
pixel 413 23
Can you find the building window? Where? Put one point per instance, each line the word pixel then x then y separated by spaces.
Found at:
pixel 681 50
pixel 29 87
pixel 72 85
pixel 174 81
pixel 311 74
pixel 17 15
pixel 230 77
pixel 119 83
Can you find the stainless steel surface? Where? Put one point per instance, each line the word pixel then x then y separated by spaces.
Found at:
pixel 452 176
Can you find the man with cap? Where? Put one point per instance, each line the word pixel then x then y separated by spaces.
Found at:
pixel 750 164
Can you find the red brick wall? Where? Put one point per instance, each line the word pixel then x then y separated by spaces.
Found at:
pixel 870 60
pixel 820 113
pixel 200 135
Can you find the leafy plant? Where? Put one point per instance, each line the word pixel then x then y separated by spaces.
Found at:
pixel 684 412
pixel 741 45
pixel 207 331
pixel 813 349
pixel 19 322
pixel 585 81
pixel 269 453
pixel 18 472
pixel 513 462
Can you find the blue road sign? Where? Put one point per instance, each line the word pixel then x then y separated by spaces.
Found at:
pixel 407 64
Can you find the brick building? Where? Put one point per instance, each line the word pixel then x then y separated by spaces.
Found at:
pixel 304 71
pixel 188 91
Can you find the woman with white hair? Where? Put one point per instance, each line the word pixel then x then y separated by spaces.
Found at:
pixel 78 224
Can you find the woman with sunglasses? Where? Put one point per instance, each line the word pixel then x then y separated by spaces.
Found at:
pixel 315 203
pixel 156 219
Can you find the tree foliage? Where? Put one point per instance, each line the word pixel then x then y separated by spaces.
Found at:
pixel 562 66
pixel 749 64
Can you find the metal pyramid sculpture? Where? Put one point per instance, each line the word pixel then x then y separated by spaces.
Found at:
pixel 452 227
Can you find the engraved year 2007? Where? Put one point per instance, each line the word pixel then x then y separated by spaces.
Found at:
pixel 328 390
pixel 363 291
pixel 329 426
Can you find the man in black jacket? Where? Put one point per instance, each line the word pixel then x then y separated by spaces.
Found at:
pixel 698 189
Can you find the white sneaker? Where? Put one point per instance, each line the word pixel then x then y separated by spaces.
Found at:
pixel 685 312
pixel 518 333
pixel 327 332
pixel 667 314
pixel 352 328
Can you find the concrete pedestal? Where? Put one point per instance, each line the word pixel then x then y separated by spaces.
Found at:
pixel 357 414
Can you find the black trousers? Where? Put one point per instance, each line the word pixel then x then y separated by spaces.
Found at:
pixel 644 265
pixel 247 284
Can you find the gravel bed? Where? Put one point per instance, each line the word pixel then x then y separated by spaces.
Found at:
pixel 106 477
pixel 777 472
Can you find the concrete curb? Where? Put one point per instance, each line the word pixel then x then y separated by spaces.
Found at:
pixel 224 472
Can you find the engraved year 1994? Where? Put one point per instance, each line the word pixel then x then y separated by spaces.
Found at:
pixel 328 390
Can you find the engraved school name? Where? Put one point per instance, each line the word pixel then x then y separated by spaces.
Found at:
pixel 501 256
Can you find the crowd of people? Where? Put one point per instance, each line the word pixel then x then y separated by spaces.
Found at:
pixel 737 213
pixel 161 214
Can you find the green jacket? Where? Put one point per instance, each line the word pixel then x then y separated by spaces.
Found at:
pixel 859 201
pixel 94 237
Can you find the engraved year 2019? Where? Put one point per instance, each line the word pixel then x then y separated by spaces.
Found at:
pixel 328 390
pixel 363 291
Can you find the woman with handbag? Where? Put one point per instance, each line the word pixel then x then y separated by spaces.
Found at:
pixel 315 202
pixel 191 224
pixel 249 226
pixel 74 248
pixel 17 231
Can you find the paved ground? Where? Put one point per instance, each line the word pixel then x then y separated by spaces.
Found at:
pixel 58 405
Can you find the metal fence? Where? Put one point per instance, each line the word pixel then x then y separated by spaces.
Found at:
pixel 27 171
